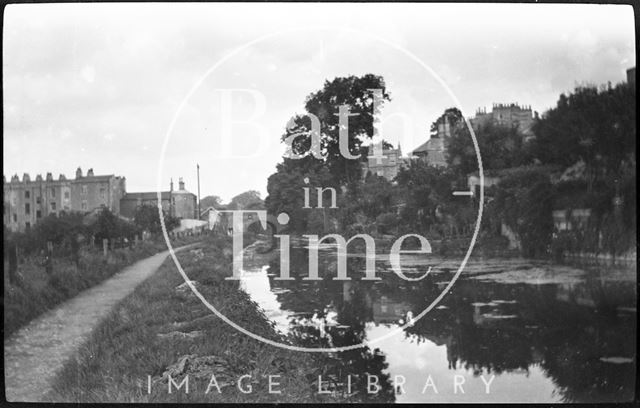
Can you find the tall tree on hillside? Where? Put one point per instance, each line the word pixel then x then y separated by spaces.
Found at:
pixel 452 115
pixel 597 126
pixel 500 147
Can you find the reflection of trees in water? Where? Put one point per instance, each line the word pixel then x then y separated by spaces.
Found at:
pixel 565 328
pixel 313 301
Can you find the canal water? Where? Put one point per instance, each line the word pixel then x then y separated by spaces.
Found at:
pixel 507 331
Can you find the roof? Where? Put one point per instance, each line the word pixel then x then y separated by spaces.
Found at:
pixel 182 192
pixel 433 144
pixel 153 195
pixel 208 209
pixel 85 179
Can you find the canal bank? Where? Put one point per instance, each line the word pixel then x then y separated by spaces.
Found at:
pixel 166 346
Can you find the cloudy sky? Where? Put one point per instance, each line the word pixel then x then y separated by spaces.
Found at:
pixel 112 86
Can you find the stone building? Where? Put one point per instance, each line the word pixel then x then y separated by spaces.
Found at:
pixel 26 201
pixel 506 115
pixel 131 201
pixel 631 76
pixel 434 150
pixel 91 192
pixel 388 166
pixel 177 203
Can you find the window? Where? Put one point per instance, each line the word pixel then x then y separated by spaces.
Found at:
pixel 27 225
pixel 66 195
pixel 38 200
pixel 27 208
pixel 27 194
pixel 38 214
pixel 103 193
pixel 53 192
pixel 15 217
pixel 84 189
pixel 53 206
pixel 84 204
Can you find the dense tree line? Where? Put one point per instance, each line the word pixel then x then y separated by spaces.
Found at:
pixel 581 155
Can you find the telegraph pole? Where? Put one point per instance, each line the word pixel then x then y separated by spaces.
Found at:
pixel 198 167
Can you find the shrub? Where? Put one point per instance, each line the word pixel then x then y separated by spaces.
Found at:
pixel 387 223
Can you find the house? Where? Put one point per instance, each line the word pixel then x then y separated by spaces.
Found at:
pixel 434 150
pixel 177 203
pixel 506 114
pixel 387 166
pixel 26 201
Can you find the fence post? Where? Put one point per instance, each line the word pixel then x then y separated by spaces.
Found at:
pixel 75 249
pixel 105 247
pixel 13 263
pixel 49 259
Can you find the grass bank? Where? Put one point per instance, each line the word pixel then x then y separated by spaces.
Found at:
pixel 161 330
pixel 36 292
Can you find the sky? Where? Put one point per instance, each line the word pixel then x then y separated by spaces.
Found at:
pixel 148 91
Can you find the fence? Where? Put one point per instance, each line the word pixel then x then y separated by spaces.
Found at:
pixel 106 248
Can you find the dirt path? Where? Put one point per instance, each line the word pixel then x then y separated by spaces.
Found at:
pixel 33 354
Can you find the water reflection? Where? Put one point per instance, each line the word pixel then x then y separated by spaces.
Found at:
pixel 571 341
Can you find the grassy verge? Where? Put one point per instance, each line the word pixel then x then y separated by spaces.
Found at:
pixel 37 292
pixel 151 331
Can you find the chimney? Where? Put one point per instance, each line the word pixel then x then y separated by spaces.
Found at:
pixel 62 177
pixel 180 184
pixel 90 172
pixel 49 177
pixel 39 177
pixel 15 178
pixel 171 185
pixel 26 178
pixel 78 173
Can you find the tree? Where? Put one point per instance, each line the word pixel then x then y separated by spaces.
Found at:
pixel 523 202
pixel 427 189
pixel 451 115
pixel 286 186
pixel 147 218
pixel 107 225
pixel 247 200
pixel 500 147
pixel 597 126
pixel 358 94
pixel 286 189
pixel 60 228
pixel 211 201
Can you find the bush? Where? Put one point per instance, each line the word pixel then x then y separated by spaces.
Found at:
pixel 524 203
pixel 387 223
pixel 147 218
